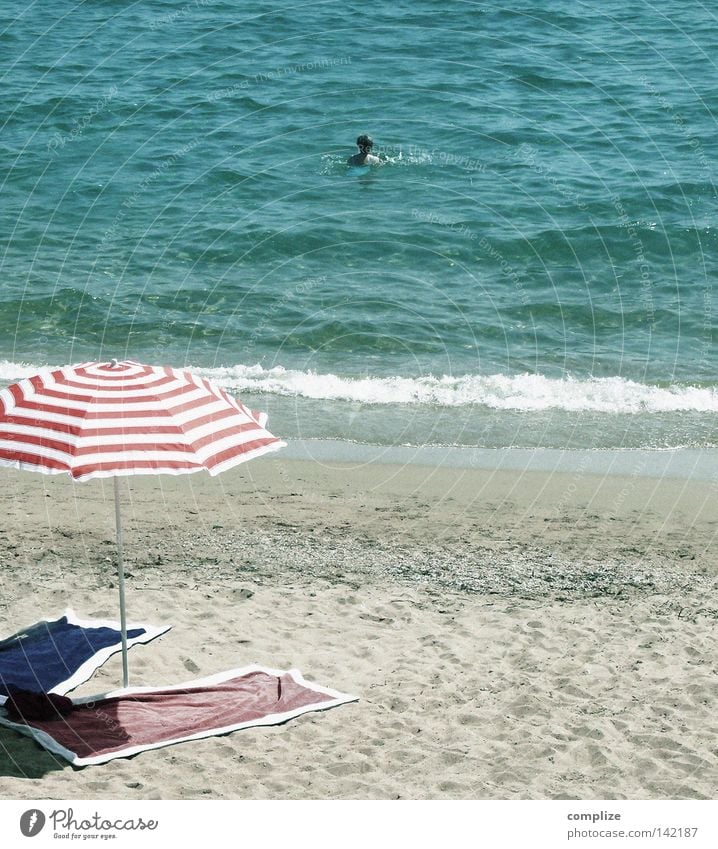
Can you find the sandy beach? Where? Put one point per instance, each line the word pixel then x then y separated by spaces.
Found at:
pixel 509 635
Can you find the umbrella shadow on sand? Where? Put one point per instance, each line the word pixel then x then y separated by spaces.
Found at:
pixel 21 757
pixel 103 717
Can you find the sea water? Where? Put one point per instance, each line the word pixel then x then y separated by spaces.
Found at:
pixel 533 265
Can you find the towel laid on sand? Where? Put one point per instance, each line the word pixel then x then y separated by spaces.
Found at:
pixel 57 655
pixel 22 705
pixel 125 722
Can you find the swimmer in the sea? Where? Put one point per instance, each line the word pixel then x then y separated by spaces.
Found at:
pixel 365 156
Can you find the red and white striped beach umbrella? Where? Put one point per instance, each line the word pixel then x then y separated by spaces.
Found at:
pixel 124 418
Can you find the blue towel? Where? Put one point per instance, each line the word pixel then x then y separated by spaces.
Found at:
pixel 58 655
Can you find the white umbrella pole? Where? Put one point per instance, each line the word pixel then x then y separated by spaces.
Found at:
pixel 121 577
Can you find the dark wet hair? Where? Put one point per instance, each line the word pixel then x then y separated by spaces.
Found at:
pixel 364 143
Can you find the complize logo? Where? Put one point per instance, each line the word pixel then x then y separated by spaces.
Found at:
pixel 32 822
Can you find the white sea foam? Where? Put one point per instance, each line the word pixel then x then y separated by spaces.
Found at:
pixel 10 372
pixel 523 392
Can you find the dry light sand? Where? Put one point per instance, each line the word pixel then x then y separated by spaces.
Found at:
pixel 510 635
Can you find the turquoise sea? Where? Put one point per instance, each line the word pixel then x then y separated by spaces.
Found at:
pixel 534 264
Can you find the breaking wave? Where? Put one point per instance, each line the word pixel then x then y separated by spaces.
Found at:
pixel 522 392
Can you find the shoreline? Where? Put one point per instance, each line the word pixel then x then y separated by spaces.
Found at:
pixel 510 635
pixel 684 463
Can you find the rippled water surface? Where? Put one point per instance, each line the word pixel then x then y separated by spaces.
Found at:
pixel 534 262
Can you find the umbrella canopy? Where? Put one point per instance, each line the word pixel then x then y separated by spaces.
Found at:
pixel 106 419
pixel 124 418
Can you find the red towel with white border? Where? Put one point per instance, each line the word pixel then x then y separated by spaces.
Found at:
pixel 127 721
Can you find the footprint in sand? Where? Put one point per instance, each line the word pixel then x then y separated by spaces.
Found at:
pixel 385 620
pixel 342 770
pixel 452 787
pixel 451 758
